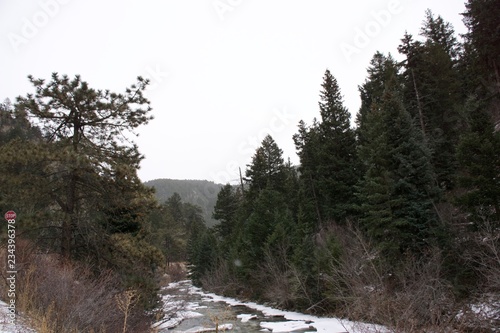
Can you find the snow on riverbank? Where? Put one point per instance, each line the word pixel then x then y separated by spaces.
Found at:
pixel 292 321
pixel 10 324
pixel 297 321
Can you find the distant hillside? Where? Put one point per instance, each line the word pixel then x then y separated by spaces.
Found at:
pixel 202 193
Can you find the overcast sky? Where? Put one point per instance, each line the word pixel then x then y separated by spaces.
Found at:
pixel 224 73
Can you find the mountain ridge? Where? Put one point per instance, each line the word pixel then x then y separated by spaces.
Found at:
pixel 202 193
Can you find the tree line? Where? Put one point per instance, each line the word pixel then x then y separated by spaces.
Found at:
pixel 409 197
pixel 69 170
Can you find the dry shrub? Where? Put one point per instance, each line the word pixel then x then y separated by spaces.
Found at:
pixel 176 271
pixel 411 297
pixel 69 297
pixel 481 250
pixel 276 278
pixel 222 281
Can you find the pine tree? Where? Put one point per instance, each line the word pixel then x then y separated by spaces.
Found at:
pixel 225 211
pixel 268 210
pixel 307 145
pixel 265 202
pixel 328 155
pixel 479 157
pixel 481 18
pixel 382 69
pixel 266 169
pixel 202 255
pixel 397 190
pixel 433 94
pixel 338 167
pixel 84 129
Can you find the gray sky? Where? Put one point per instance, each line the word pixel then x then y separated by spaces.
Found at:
pixel 224 73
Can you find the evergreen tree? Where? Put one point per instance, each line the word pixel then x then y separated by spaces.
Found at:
pixel 174 207
pixel 382 69
pixel 481 18
pixel 14 124
pixel 266 169
pixel 338 169
pixel 397 190
pixel 225 211
pixel 307 145
pixel 268 210
pixel 328 155
pixel 264 200
pixel 85 130
pixel 479 157
pixel 202 255
pixel 433 94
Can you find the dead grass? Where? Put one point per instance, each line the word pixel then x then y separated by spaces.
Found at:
pixel 176 271
pixel 413 297
pixel 69 297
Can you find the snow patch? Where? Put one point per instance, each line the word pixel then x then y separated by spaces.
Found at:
pixel 6 326
pixel 246 317
pixel 285 327
pixel 200 329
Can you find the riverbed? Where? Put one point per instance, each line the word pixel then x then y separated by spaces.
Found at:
pixel 191 310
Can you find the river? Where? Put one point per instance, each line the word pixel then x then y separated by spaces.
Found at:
pixel 190 310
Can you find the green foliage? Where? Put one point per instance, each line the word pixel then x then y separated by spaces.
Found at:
pixel 397 189
pixel 14 124
pixel 266 170
pixel 225 211
pixel 483 38
pixel 173 225
pixel 479 157
pixel 432 93
pixel 202 255
pixel 84 162
pixel 382 68
pixel 328 156
pixel 73 177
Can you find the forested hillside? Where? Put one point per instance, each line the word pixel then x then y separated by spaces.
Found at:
pixel 395 221
pixel 202 193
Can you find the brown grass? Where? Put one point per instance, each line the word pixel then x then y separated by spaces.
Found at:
pixel 413 297
pixel 70 297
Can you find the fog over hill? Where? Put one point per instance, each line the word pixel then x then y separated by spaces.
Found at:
pixel 202 193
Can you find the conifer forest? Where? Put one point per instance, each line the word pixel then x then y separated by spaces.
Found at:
pixel 391 217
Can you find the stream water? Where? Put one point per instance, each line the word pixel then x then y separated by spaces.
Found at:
pixel 189 310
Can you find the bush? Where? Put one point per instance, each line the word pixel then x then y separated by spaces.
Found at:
pixel 408 298
pixel 69 297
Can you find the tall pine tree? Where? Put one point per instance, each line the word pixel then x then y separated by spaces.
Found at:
pixel 327 151
pixel 397 190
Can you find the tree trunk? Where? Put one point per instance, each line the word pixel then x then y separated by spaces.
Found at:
pixel 69 219
pixel 70 206
pixel 419 106
pixel 66 238
pixel 316 202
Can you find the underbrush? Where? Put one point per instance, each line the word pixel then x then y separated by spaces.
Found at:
pixel 175 272
pixel 60 296
pixel 415 294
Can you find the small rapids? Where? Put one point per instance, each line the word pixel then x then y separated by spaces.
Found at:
pixel 190 310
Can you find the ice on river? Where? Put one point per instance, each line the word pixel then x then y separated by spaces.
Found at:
pixel 180 305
